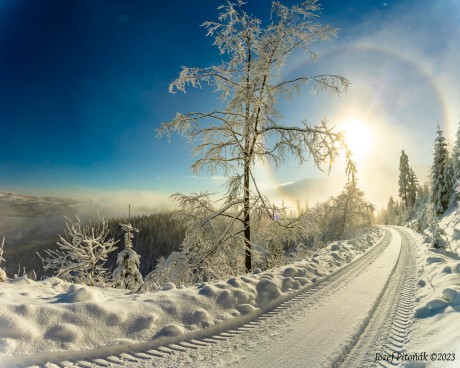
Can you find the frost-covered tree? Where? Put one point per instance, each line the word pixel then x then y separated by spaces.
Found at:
pixel 390 211
pixel 412 188
pixel 456 155
pixel 404 172
pixel 449 180
pixel 349 211
pixel 456 168
pixel 408 183
pixel 249 128
pixel 82 253
pixel 2 271
pixel 439 192
pixel 127 274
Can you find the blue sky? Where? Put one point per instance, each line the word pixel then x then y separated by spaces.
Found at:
pixel 84 86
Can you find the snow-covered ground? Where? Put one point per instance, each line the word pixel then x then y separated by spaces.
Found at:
pixel 54 320
pixel 40 317
pixel 436 327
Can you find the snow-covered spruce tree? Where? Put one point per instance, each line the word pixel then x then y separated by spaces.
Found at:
pixel 408 183
pixel 127 274
pixel 439 192
pixel 403 182
pixel 388 218
pixel 82 253
pixel 2 271
pixel 249 128
pixel 412 188
pixel 439 236
pixel 456 158
pixel 449 180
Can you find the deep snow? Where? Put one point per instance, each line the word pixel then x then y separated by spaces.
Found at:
pixel 54 315
pixel 436 327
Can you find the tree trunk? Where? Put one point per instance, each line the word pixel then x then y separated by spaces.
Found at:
pixel 246 220
pixel 247 160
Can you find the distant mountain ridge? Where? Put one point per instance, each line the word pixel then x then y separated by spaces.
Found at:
pixel 312 190
pixel 22 205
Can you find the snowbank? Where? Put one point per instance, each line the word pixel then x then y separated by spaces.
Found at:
pixel 53 315
pixel 436 327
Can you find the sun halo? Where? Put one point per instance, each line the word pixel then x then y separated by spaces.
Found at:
pixel 358 136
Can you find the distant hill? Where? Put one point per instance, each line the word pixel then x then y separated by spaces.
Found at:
pixel 33 224
pixel 311 190
pixel 21 205
pixel 30 224
pixel 24 217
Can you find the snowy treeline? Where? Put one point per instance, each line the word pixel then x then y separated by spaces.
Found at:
pixel 274 244
pixel 422 205
pixel 159 235
pixel 82 256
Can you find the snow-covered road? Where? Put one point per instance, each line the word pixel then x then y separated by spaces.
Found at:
pixel 347 320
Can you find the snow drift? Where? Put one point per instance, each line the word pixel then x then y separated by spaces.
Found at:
pixel 54 315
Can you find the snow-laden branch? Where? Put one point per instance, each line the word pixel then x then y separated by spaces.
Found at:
pixel 82 253
pixel 230 141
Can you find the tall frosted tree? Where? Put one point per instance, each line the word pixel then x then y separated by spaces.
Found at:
pixel 412 188
pixel 404 173
pixel 247 127
pixel 449 179
pixel 439 192
pixel 456 166
pixel 390 212
pixel 408 183
pixel 456 153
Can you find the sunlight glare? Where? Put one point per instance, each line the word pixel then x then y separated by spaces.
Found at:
pixel 358 135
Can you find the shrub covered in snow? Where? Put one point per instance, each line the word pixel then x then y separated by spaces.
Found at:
pixel 439 236
pixel 82 253
pixel 127 274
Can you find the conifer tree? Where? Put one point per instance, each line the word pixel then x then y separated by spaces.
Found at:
pixel 456 167
pixel 127 274
pixel 439 193
pixel 456 154
pixel 412 188
pixel 408 183
pixel 449 180
pixel 404 178
pixel 390 212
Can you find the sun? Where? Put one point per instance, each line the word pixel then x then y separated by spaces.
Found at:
pixel 359 136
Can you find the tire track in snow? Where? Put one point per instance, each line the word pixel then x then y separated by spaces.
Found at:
pixel 219 353
pixel 153 352
pixel 388 329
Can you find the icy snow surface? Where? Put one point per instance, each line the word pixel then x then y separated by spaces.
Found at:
pixel 52 315
pixel 436 327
